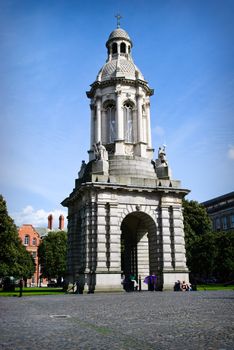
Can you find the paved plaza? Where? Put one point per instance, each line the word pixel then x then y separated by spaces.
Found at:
pixel 146 320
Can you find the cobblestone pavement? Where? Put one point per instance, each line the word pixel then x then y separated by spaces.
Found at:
pixel 146 320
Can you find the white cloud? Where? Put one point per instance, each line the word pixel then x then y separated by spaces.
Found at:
pixel 231 152
pixel 38 218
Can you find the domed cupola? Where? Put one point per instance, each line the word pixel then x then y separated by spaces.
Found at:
pixel 119 62
pixel 119 36
pixel 120 102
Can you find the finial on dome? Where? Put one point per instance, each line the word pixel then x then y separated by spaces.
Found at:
pixel 118 16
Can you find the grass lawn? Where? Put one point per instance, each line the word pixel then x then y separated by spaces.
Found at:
pixel 211 287
pixel 29 291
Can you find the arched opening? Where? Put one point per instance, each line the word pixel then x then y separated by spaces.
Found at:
pixel 128 121
pixel 123 48
pixel 110 121
pixel 114 48
pixel 140 246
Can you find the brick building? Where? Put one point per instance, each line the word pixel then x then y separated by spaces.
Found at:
pixel 31 238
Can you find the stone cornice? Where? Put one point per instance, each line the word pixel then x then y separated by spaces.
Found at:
pixel 118 187
pixel 123 81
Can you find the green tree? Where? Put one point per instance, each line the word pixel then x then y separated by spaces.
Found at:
pixel 15 260
pixel 224 262
pixel 200 241
pixel 53 255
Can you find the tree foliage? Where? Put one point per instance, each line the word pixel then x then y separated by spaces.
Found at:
pixel 15 260
pixel 53 255
pixel 224 265
pixel 199 240
pixel 208 253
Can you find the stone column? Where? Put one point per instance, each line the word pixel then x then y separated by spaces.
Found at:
pixel 115 234
pixel 166 238
pixel 92 108
pixel 135 125
pixel 143 256
pixel 119 116
pixel 101 237
pixel 88 226
pixel 139 118
pixel 72 246
pixel 119 142
pixel 179 243
pixel 149 141
pixel 98 122
pixel 107 274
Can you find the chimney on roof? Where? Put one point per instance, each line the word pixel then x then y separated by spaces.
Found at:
pixel 61 222
pixel 50 222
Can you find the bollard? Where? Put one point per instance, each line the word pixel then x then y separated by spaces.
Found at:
pixel 139 283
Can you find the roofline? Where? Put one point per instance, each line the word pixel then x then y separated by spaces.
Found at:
pixel 218 199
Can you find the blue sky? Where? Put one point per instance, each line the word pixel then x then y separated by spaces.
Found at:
pixel 51 51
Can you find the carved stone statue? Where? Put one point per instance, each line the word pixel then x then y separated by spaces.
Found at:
pixel 100 151
pixel 162 156
pixel 162 168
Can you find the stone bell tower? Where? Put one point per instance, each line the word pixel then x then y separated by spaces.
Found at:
pixel 125 212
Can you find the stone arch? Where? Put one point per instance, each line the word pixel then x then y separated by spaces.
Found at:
pixel 108 125
pixel 128 209
pixel 140 243
pixel 107 103
pixel 128 107
pixel 122 47
pixel 130 102
pixel 114 48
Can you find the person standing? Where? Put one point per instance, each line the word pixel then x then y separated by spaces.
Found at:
pixel 153 282
pixel 21 284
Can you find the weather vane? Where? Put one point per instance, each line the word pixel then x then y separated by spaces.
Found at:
pixel 118 16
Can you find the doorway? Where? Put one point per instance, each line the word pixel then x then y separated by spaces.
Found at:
pixel 140 246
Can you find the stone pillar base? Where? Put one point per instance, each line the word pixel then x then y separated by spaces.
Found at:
pixel 100 167
pixel 108 282
pixel 169 278
pixel 119 147
pixel 140 149
pixel 104 282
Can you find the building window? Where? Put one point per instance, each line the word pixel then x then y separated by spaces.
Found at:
pixel 122 48
pixel 26 240
pixel 34 241
pixel 217 224
pixel 34 254
pixel 232 220
pixel 114 48
pixel 110 112
pixel 224 220
pixel 128 122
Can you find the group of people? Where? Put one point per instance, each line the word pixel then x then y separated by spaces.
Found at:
pixel 130 283
pixel 182 286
